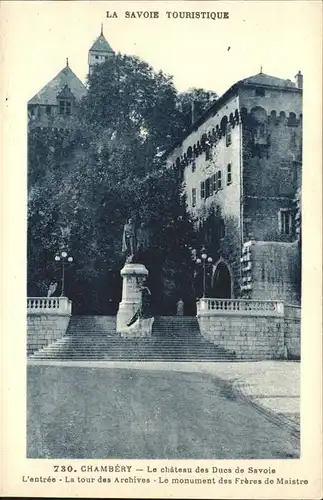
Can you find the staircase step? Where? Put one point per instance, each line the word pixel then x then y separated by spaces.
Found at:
pixel 174 338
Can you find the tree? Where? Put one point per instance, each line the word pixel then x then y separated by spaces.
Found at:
pixel 84 183
pixel 193 103
pixel 162 210
pixel 127 99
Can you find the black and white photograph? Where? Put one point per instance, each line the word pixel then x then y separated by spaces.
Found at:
pixel 165 247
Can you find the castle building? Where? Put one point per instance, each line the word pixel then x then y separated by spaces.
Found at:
pixel 55 105
pixel 240 166
pixel 99 52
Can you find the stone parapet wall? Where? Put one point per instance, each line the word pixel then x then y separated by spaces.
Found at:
pixel 47 321
pixel 245 337
pixel 251 329
pixel 293 331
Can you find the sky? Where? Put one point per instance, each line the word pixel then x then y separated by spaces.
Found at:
pixel 212 54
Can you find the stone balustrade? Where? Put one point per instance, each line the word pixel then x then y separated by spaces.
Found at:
pixel 49 305
pixel 206 306
pixel 47 320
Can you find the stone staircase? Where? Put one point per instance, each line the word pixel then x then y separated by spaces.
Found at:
pixel 174 338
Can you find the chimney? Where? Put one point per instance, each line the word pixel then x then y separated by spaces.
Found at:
pixel 299 80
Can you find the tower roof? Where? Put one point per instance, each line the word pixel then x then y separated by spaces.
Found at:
pixel 65 78
pixel 263 79
pixel 101 45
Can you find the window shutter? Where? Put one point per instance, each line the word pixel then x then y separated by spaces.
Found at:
pixel 202 188
pixel 219 179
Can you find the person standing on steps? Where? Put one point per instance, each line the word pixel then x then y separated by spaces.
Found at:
pixel 180 307
pixel 52 289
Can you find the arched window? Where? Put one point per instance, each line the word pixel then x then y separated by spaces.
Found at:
pixel 223 124
pixel 282 116
pixel 273 116
pixel 292 120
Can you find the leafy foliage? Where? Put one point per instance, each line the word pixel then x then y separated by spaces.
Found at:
pixel 199 99
pixel 85 182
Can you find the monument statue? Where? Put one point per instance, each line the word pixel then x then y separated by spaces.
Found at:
pixel 144 309
pixel 129 240
pixel 136 296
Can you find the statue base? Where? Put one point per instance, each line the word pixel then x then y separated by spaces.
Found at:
pixel 133 275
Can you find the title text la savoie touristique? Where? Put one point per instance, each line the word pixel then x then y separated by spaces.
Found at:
pixel 169 14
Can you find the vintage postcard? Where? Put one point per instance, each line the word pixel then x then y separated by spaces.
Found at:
pixel 161 249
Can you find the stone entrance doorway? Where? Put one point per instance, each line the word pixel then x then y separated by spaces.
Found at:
pixel 221 281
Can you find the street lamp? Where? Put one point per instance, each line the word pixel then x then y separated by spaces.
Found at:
pixel 204 260
pixel 63 257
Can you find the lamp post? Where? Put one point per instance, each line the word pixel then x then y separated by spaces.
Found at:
pixel 63 257
pixel 204 260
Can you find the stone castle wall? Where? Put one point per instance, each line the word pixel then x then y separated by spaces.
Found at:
pixel 292 331
pixel 271 271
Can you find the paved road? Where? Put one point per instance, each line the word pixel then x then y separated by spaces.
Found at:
pixel 82 412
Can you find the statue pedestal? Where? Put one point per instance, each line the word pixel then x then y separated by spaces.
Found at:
pixel 140 329
pixel 133 275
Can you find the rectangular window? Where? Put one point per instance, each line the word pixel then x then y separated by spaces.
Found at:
pixel 48 110
pixel 228 134
pixel 286 222
pixel 202 190
pixel 260 92
pixel 193 197
pixel 219 176
pixel 65 107
pixel 261 134
pixel 214 181
pixel 208 153
pixel 229 174
pixel 211 185
pixel 207 187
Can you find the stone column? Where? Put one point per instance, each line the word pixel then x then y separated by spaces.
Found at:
pixel 132 275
